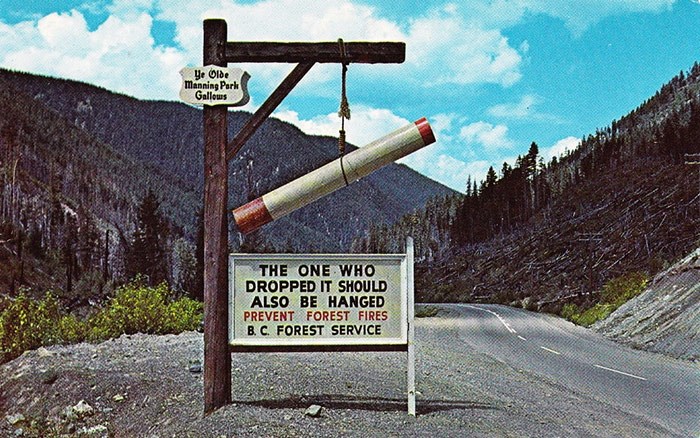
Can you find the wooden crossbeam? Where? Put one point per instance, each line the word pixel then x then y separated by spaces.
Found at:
pixel 324 52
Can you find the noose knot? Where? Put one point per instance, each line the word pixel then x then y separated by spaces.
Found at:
pixel 344 111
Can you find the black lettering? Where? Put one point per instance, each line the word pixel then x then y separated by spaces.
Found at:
pixel 250 286
pixel 280 286
pixel 270 302
pixel 299 330
pixel 362 301
pixel 308 301
pixel 273 270
pixel 356 270
pixel 314 270
pixel 362 286
pixel 356 330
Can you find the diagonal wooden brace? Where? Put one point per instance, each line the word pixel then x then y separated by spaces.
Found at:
pixel 267 108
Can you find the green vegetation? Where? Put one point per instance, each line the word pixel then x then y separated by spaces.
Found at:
pixel 426 311
pixel 136 308
pixel 615 293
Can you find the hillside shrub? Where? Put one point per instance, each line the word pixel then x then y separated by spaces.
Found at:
pixel 568 311
pixel 614 293
pixel 183 314
pixel 138 308
pixel 26 323
pixel 426 311
pixel 71 330
pixel 621 289
pixel 594 314
pixel 19 324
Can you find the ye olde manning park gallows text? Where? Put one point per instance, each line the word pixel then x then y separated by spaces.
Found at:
pixel 212 85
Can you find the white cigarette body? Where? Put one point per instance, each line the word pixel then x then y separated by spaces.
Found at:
pixel 332 176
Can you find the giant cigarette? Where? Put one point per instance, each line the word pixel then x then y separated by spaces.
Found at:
pixel 332 176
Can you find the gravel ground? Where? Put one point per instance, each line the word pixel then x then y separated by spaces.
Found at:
pixel 141 386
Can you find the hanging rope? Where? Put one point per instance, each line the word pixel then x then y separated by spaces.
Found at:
pixel 344 111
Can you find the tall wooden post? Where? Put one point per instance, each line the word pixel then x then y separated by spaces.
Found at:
pixel 217 359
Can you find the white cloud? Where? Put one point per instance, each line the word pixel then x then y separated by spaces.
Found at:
pixel 443 126
pixel 561 147
pixel 366 124
pixel 458 44
pixel 280 20
pixel 486 134
pixel 450 161
pixel 119 54
pixel 444 168
pixel 447 161
pixel 447 49
pixel 450 45
pixel 441 47
pixel 439 162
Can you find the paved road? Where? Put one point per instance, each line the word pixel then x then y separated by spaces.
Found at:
pixel 656 387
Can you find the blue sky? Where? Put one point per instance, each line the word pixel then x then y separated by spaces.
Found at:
pixel 491 76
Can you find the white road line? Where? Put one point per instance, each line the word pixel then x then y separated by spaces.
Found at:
pixel 619 372
pixel 505 324
pixel 551 351
pixel 522 338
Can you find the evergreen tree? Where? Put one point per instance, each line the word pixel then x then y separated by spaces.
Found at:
pixel 146 253
pixel 88 240
pixel 185 268
pixel 491 178
pixel 531 160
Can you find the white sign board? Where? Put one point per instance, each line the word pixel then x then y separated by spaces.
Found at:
pixel 318 299
pixel 213 85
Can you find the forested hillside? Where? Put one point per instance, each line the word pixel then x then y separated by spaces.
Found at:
pixel 78 164
pixel 543 234
pixel 88 176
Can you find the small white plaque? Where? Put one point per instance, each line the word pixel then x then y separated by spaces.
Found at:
pixel 212 85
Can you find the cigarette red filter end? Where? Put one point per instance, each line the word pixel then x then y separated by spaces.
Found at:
pixel 251 216
pixel 425 131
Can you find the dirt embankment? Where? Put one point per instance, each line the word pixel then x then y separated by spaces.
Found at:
pixel 665 318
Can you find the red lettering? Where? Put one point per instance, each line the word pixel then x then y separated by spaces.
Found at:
pixel 373 315
pixel 327 315
pixel 265 315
